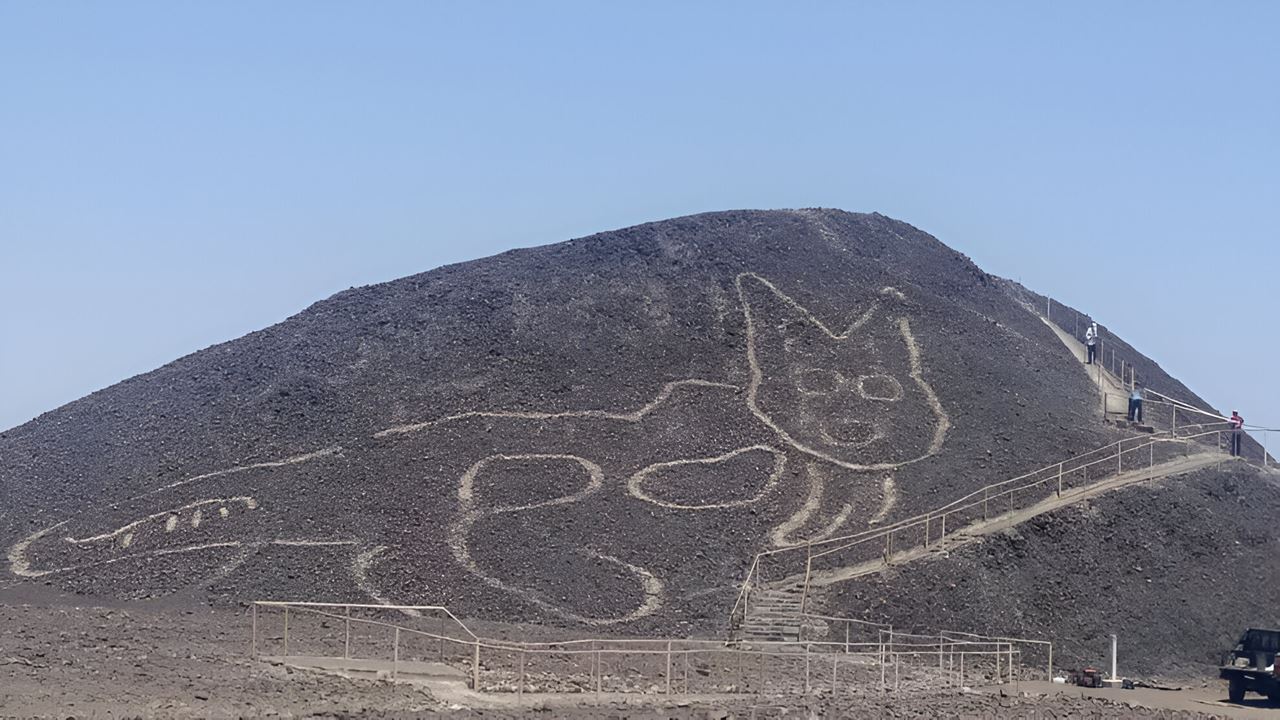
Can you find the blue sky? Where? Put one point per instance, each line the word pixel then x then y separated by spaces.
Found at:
pixel 173 175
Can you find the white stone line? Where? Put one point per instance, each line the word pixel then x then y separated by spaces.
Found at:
pixel 171 514
pixel 757 378
pixel 890 500
pixel 466 488
pixel 461 528
pixel 877 434
pixel 18 563
pixel 635 484
pixel 781 535
pixel 313 543
pixel 633 416
pixel 238 469
pixel 360 566
pixel 652 586
pixel 186 549
pixel 917 374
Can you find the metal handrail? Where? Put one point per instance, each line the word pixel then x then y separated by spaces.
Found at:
pixel 890 647
pixel 1056 471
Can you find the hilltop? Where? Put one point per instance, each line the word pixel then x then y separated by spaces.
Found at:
pixel 600 432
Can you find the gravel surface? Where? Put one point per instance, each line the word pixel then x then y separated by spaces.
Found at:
pixel 259 468
pixel 601 323
pixel 138 659
pixel 1177 569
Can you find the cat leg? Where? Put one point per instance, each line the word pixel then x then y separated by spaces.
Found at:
pixel 782 535
pixel 889 499
pixel 581 564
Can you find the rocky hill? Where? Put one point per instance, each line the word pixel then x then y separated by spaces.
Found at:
pixel 600 432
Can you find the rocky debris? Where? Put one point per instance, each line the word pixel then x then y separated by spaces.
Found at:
pixel 259 468
pixel 1177 569
pixel 599 323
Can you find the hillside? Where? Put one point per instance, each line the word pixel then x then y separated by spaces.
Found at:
pixel 600 432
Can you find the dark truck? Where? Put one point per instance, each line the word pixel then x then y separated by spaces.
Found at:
pixel 1251 665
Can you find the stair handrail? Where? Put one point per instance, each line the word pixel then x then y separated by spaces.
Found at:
pixel 952 507
pixel 1109 450
pixel 960 504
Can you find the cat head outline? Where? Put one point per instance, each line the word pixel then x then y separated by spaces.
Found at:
pixel 855 397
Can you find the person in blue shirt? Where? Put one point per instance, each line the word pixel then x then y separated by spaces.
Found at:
pixel 1135 404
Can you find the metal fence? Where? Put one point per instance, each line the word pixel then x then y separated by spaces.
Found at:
pixel 906 539
pixel 357 638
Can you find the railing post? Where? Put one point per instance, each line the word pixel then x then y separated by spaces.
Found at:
pixel 926 532
pixel 847 623
pixel 806 668
pixel 599 670
pixel 286 631
pixel 1059 479
pixel 742 677
pixel 395 656
pixel 346 643
pixel 808 568
pixel 475 668
pixel 440 628
pixel 520 685
pixel 1050 662
pixel 668 667
pixel 253 643
pixel 763 655
pixel 984 503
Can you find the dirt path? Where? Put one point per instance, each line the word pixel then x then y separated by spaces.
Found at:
pixel 1112 388
pixel 977 531
pixel 1211 699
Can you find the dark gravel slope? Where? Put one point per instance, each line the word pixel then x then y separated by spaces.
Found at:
pixel 1176 569
pixel 610 489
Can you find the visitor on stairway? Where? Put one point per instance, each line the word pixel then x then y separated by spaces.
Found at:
pixel 1135 404
pixel 1091 342
pixel 1237 430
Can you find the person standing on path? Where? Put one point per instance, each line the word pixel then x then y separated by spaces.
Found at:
pixel 1091 342
pixel 1135 404
pixel 1237 430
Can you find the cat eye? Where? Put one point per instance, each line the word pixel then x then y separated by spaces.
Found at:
pixel 823 381
pixel 885 388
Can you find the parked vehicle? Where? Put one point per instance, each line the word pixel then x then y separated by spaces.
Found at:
pixel 1251 665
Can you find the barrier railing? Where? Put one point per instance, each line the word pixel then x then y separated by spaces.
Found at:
pixel 879 546
pixel 309 636
pixel 1123 372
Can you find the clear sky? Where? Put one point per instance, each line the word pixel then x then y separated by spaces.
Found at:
pixel 173 175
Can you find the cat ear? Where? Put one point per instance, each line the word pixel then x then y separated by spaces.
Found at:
pixel 772 315
pixel 886 300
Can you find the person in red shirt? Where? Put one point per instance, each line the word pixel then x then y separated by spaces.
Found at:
pixel 1237 430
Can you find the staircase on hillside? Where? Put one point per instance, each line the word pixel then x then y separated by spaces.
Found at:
pixel 776 612
pixel 776 615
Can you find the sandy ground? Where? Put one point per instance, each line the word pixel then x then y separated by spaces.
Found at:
pixel 60 659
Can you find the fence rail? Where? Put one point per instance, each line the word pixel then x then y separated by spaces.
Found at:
pixel 796 564
pixel 338 635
